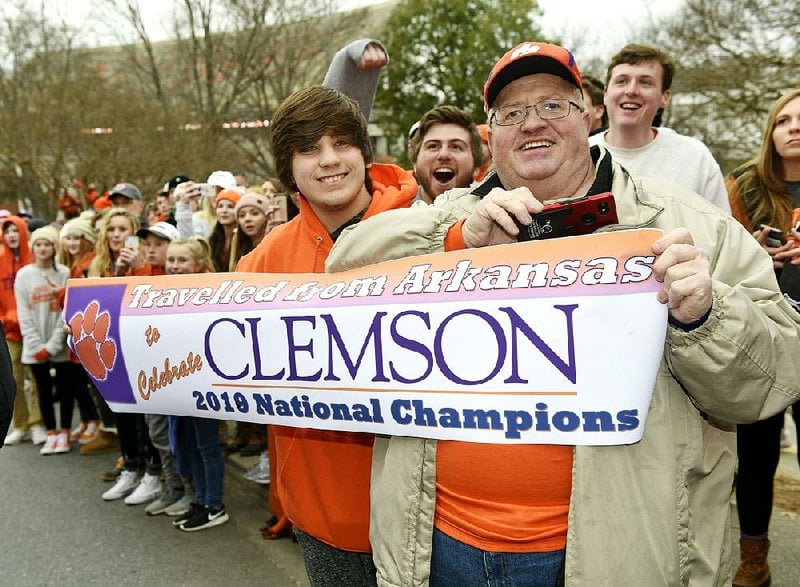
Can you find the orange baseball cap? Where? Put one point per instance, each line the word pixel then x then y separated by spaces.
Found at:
pixel 526 59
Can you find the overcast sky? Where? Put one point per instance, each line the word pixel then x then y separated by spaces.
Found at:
pixel 591 27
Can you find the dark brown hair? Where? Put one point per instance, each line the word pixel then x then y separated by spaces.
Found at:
pixel 308 115
pixel 634 54
pixel 447 115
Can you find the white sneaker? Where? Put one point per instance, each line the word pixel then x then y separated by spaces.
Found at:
pixel 126 482
pixel 38 434
pixel 49 446
pixel 14 437
pixel 62 443
pixel 148 489
pixel 260 473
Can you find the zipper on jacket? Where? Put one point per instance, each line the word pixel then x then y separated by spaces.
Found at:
pixel 319 239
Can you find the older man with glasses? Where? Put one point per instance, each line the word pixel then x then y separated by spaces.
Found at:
pixel 652 513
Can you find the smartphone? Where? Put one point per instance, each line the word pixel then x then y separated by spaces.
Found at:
pixel 775 238
pixel 207 190
pixel 282 214
pixel 579 216
pixel 131 242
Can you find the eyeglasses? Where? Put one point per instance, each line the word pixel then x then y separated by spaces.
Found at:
pixel 551 109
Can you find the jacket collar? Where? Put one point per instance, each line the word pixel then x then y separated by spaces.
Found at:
pixel 609 177
pixel 392 187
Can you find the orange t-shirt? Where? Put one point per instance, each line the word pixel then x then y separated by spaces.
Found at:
pixel 504 498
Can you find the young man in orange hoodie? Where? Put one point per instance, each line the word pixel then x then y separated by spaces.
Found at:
pixel 322 150
pixel 14 255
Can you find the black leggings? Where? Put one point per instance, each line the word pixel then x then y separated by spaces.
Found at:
pixel 77 376
pixel 44 385
pixel 134 442
pixel 759 448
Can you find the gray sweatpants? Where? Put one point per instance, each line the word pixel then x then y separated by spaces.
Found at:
pixel 158 429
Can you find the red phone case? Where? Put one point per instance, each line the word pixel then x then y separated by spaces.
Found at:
pixel 580 216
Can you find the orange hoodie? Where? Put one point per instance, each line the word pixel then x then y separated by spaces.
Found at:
pixel 323 477
pixel 10 263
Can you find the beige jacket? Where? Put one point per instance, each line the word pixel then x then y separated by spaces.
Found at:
pixel 652 513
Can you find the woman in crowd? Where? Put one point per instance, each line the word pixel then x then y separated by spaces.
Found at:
pixel 37 290
pixel 223 230
pixel 14 255
pixel 765 197
pixel 185 256
pixel 76 252
pixel 118 254
pixel 252 216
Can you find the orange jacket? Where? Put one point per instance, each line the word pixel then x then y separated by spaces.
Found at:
pixel 10 263
pixel 323 477
pixel 80 268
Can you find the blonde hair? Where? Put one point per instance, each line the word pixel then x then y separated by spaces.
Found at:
pixel 103 263
pixel 766 175
pixel 199 249
pixel 66 258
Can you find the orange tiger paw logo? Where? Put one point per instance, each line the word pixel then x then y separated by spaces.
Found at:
pixel 89 331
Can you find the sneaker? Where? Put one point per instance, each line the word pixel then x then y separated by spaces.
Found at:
pixel 127 482
pixel 49 446
pixel 103 443
pixel 75 435
pixel 15 437
pixel 192 511
pixel 260 473
pixel 90 433
pixel 148 489
pixel 159 506
pixel 181 507
pixel 38 434
pixel 205 518
pixel 62 442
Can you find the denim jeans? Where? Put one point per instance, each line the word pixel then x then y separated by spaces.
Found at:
pixel 456 564
pixel 208 469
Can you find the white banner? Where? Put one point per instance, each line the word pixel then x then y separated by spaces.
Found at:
pixel 528 343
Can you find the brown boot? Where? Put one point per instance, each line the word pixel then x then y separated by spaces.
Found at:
pixel 103 443
pixel 753 568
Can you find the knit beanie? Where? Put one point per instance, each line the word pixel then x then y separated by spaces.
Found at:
pixel 255 200
pixel 48 233
pixel 231 195
pixel 79 227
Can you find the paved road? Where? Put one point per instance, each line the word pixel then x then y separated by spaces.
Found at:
pixel 56 530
